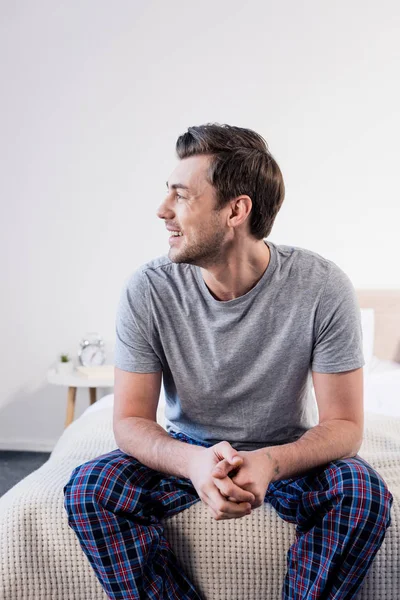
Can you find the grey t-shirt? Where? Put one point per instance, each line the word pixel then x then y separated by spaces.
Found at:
pixel 240 370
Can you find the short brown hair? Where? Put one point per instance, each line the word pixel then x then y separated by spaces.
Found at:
pixel 240 164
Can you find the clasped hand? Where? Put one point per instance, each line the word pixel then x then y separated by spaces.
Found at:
pixel 230 482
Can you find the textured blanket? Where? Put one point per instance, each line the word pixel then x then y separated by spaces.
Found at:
pixel 237 559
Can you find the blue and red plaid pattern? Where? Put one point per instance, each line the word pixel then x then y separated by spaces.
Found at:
pixel 114 505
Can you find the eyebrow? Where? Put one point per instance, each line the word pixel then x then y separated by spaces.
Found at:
pixel 175 186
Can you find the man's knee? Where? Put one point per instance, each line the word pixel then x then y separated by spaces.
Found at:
pixel 92 482
pixel 364 491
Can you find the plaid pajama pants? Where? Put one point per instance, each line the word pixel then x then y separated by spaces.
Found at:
pixel 114 505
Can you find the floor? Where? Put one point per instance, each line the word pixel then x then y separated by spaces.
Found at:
pixel 15 465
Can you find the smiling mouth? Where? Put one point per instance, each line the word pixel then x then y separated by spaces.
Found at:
pixel 175 233
pixel 174 238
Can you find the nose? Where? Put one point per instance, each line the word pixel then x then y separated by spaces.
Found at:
pixel 164 211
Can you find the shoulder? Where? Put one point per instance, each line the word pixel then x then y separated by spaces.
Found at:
pixel 311 272
pixel 156 270
pixel 335 275
pixel 300 254
pixel 304 263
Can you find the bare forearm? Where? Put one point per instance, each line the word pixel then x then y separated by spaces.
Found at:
pixel 151 445
pixel 319 445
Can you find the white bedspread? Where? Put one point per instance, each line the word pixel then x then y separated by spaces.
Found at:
pixel 382 388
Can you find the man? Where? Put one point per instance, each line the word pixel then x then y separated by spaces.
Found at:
pixel 236 326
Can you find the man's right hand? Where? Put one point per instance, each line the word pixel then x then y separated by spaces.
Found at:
pixel 201 466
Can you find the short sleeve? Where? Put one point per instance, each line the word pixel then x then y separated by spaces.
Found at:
pixel 338 343
pixel 133 350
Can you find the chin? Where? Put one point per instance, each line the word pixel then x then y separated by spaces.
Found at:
pixel 174 256
pixel 180 257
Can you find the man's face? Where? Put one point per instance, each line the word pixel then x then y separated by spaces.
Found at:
pixel 189 207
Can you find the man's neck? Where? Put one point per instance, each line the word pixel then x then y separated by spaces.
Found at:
pixel 238 274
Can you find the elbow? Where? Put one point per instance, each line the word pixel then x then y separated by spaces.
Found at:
pixel 358 446
pixel 116 423
pixel 126 433
pixel 357 441
pixel 118 431
pixel 360 435
pixel 117 436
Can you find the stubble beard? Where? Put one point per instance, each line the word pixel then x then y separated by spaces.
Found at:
pixel 203 253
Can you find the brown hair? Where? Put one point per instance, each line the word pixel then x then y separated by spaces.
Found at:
pixel 240 164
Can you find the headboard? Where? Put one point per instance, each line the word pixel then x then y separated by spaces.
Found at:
pixel 386 304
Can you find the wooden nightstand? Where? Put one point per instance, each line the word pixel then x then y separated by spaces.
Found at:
pixel 75 380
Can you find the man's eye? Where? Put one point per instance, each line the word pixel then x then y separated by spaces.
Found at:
pixel 179 196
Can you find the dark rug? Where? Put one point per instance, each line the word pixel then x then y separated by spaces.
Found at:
pixel 15 465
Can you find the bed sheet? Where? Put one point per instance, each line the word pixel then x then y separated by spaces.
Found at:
pixel 382 388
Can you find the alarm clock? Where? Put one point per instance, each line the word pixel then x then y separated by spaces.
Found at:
pixel 91 352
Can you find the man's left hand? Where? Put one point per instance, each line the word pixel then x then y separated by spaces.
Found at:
pixel 254 475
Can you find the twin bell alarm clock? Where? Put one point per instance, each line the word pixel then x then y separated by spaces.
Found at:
pixel 91 352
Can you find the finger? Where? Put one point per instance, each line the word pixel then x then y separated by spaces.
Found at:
pixel 224 450
pixel 223 468
pixel 221 505
pixel 221 515
pixel 232 510
pixel 230 490
pixel 210 508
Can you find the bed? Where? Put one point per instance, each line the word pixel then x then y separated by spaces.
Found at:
pixel 237 559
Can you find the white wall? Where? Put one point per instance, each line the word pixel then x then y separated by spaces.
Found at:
pixel 94 95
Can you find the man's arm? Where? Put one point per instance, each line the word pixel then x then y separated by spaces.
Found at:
pixel 339 433
pixel 136 431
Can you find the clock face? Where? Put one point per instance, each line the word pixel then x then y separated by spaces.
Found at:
pixel 92 356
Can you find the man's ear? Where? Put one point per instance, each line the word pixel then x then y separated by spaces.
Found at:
pixel 240 210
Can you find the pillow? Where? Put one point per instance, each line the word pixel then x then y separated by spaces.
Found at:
pixel 368 333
